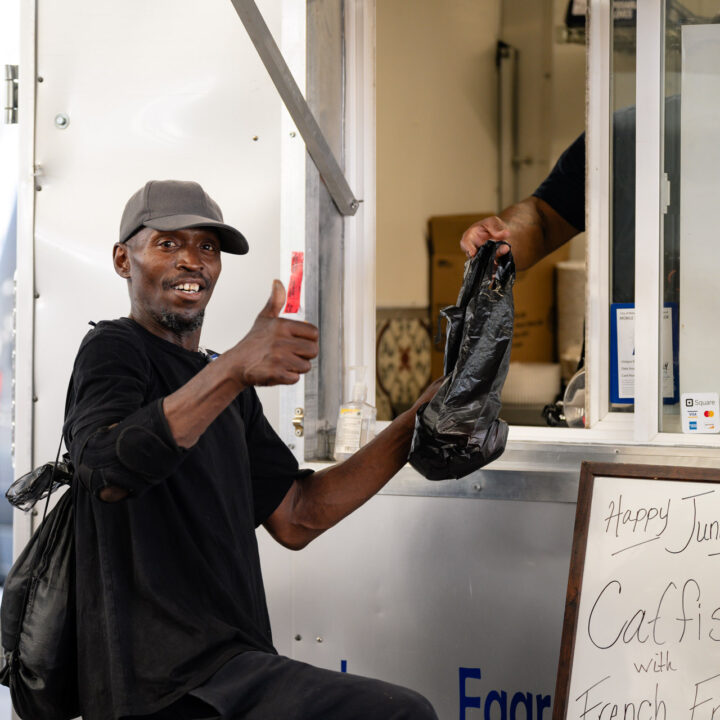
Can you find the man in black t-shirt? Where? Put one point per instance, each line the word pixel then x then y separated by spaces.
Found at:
pixel 176 467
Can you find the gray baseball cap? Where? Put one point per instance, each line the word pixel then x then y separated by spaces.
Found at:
pixel 178 205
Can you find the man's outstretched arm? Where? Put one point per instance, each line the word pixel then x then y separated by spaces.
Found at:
pixel 317 502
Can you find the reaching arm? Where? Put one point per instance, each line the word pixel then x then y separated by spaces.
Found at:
pixel 535 227
pixel 276 351
pixel 318 501
pixel 531 227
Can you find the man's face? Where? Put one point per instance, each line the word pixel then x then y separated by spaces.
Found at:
pixel 172 275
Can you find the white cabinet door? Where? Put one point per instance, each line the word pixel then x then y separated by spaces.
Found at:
pixel 136 91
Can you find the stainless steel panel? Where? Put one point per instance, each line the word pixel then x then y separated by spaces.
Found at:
pixel 543 472
pixel 411 589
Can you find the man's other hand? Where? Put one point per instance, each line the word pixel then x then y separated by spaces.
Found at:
pixel 276 351
pixel 489 228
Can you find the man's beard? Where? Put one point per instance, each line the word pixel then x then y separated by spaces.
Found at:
pixel 180 324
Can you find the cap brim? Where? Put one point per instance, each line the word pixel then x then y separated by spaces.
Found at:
pixel 231 240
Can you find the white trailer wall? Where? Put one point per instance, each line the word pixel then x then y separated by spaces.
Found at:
pixel 157 90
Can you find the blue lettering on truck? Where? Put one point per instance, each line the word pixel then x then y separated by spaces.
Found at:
pixel 468 701
pixel 496 705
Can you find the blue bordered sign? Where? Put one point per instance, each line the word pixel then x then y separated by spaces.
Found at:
pixel 622 354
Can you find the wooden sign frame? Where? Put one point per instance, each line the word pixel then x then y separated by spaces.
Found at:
pixel 589 471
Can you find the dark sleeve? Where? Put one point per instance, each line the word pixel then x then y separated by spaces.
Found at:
pixel 273 467
pixel 114 435
pixel 564 188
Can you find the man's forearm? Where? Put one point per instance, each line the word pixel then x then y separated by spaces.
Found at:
pixel 191 409
pixel 535 230
pixel 319 501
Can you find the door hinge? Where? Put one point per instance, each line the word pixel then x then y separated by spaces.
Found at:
pixel 298 422
pixel 11 94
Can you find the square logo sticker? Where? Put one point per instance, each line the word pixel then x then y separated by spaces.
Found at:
pixel 700 412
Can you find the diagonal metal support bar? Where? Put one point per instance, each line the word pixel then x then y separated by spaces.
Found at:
pixel 302 116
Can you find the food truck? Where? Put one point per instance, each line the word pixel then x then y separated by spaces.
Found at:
pixel 352 141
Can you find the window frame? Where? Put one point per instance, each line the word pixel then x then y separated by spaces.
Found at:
pixel 608 427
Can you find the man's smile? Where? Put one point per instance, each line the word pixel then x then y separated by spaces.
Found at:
pixel 189 288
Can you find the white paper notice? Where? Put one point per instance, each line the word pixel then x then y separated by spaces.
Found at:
pixel 626 353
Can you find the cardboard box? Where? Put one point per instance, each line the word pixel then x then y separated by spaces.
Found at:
pixel 534 293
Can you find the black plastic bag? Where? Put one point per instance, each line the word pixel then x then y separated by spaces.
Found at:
pixel 459 431
pixel 37 615
pixel 39 483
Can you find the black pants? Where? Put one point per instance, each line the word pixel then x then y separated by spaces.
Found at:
pixel 260 686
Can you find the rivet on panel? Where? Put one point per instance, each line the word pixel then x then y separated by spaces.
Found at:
pixel 318 639
pixel 38 188
pixel 298 638
pixel 293 134
pixel 40 78
pixel 62 121
pixel 255 138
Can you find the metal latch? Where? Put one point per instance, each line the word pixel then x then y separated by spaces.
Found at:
pixel 11 94
pixel 665 196
pixel 298 422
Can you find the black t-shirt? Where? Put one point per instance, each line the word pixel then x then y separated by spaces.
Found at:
pixel 564 191
pixel 564 188
pixel 169 585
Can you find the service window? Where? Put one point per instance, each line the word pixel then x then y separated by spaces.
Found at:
pixel 459 138
pixel 475 102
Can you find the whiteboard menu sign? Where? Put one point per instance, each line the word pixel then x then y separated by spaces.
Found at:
pixel 641 639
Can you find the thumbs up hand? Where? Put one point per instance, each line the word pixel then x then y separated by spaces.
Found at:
pixel 274 305
pixel 276 351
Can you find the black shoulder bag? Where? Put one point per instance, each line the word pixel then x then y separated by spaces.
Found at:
pixel 37 614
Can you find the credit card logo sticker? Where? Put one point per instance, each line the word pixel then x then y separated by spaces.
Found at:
pixel 699 410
